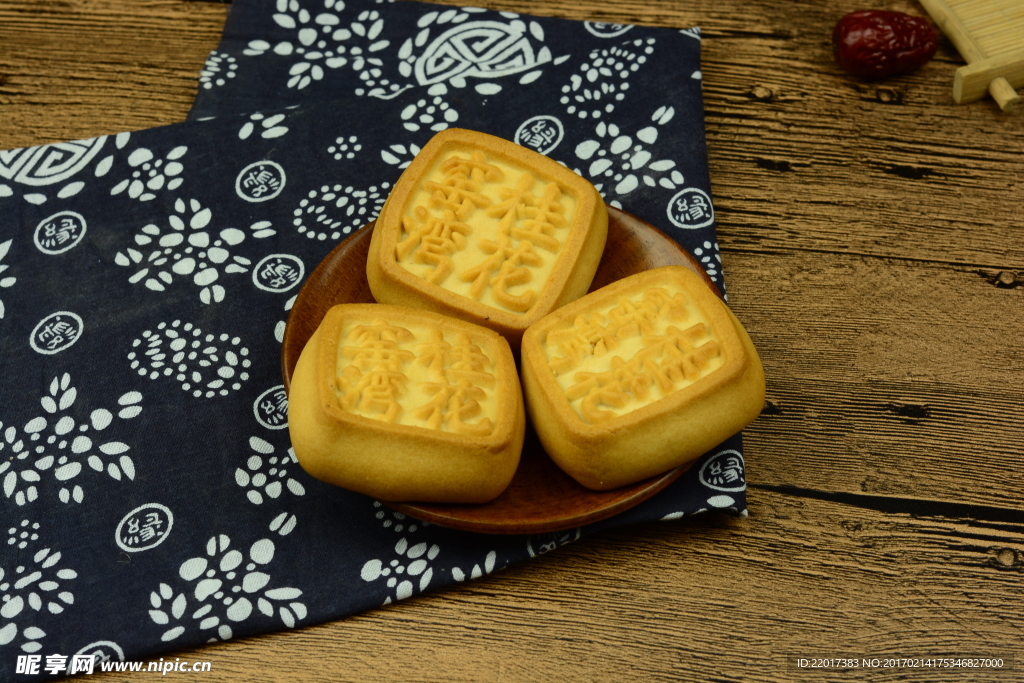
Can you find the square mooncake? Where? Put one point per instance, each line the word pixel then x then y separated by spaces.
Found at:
pixel 484 230
pixel 639 377
pixel 407 405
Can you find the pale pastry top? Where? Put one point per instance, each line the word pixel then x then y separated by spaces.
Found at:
pixel 485 228
pixel 411 373
pixel 617 358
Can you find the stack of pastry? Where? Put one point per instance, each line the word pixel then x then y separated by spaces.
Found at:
pixel 483 249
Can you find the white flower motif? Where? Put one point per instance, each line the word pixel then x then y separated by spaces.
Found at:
pixel 29 584
pixel 224 587
pixel 398 155
pixel 270 125
pixel 185 247
pixel 5 282
pixel 61 445
pixel 403 574
pixel 710 259
pixel 602 81
pixel 322 43
pixel 219 66
pixel 269 481
pixel 159 173
pixel 205 365
pixel 397 521
pixel 345 148
pixel 282 324
pixel 434 114
pixel 476 572
pixel 333 211
pixel 23 534
pixel 620 162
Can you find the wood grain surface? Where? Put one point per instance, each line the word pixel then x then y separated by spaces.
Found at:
pixel 873 242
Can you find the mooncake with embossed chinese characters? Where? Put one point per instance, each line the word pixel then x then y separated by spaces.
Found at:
pixel 484 230
pixel 639 377
pixel 407 405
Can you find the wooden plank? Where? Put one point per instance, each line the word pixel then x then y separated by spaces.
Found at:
pixel 76 70
pixel 708 599
pixel 876 381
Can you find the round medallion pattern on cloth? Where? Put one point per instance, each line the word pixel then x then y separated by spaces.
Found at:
pixel 145 527
pixel 260 181
pixel 606 30
pixel 60 232
pixel 271 408
pixel 102 651
pixel 724 472
pixel 56 332
pixel 691 208
pixel 278 273
pixel 540 133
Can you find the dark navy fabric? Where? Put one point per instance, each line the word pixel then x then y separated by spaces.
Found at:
pixel 148 495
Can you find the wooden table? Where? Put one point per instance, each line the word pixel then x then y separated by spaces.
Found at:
pixel 873 237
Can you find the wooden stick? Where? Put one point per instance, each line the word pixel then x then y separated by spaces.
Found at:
pixel 1001 90
pixel 970 82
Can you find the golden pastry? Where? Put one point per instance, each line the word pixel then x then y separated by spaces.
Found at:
pixel 407 405
pixel 484 230
pixel 639 377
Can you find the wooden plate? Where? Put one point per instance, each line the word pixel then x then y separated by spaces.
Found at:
pixel 541 498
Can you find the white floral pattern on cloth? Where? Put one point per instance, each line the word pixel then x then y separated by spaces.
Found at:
pixel 405 573
pixel 710 259
pixel 151 174
pixel 431 112
pixel 715 502
pixel 8 280
pixel 57 445
pixel 37 167
pixel 602 81
pixel 44 165
pixel 281 325
pixel 227 585
pixel 205 365
pixel 219 67
pixel 619 163
pixel 321 42
pixel 187 247
pixel 345 147
pixel 332 211
pixel 477 570
pixel 32 581
pixel 267 473
pixel 400 155
pixel 269 127
pixel 397 521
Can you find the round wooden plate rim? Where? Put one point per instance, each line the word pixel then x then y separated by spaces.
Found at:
pixel 327 285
